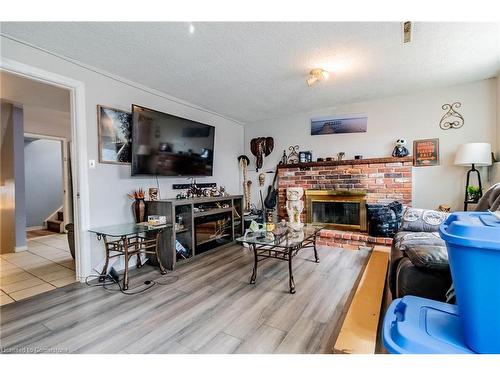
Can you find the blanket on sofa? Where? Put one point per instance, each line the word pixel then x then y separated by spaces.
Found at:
pixel 490 200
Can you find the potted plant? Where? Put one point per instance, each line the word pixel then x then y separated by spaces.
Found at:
pixel 473 193
pixel 138 206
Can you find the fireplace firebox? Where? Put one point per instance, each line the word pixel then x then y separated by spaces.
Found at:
pixel 338 209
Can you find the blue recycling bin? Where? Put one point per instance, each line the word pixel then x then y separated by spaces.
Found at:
pixel 415 325
pixel 473 243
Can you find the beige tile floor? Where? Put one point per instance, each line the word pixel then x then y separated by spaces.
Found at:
pixel 46 265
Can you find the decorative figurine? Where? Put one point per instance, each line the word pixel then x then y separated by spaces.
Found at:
pixel 284 158
pixel 153 194
pixel 400 151
pixel 444 208
pixel 262 179
pixel 294 207
pixel 340 156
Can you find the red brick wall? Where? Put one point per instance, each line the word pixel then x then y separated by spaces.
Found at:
pixel 383 179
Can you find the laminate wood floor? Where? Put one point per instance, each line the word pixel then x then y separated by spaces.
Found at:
pixel 205 306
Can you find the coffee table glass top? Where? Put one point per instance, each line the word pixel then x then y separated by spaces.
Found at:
pixel 282 236
pixel 128 229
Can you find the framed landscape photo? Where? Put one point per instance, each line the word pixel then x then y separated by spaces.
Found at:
pixel 339 124
pixel 426 152
pixel 115 135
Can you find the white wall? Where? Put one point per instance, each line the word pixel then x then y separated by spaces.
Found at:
pixel 43 179
pixel 109 184
pixel 414 116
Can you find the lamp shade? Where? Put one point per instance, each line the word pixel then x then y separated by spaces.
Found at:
pixel 478 154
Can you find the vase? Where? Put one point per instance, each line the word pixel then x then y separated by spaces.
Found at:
pixel 139 210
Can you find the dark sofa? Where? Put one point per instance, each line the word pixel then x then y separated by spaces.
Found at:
pixel 419 266
pixel 419 259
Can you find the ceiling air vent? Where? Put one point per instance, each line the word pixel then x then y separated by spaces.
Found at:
pixel 407 29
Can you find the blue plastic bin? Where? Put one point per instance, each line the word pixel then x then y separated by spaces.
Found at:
pixel 473 242
pixel 415 325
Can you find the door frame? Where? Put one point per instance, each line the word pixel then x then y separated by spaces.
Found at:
pixel 64 165
pixel 78 151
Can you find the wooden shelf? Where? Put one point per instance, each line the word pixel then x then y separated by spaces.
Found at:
pixel 212 211
pixel 182 230
pixel 348 162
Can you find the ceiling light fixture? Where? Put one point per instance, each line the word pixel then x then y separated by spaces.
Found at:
pixel 191 28
pixel 316 75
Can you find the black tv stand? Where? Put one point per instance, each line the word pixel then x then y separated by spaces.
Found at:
pixel 200 225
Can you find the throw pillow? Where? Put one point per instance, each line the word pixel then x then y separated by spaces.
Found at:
pixel 430 257
pixel 383 220
pixel 420 220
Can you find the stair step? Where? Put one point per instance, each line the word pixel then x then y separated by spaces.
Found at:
pixel 54 225
pixel 60 215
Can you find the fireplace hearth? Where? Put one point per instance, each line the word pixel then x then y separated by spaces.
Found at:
pixel 338 209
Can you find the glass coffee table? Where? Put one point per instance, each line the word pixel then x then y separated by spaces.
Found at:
pixel 282 243
pixel 128 240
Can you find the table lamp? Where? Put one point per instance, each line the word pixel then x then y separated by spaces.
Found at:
pixel 473 154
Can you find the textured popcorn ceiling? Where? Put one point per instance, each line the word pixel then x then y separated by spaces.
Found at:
pixel 256 71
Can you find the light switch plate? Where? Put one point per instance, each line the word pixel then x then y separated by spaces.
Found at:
pixel 92 164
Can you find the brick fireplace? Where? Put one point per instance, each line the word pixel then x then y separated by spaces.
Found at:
pixel 379 180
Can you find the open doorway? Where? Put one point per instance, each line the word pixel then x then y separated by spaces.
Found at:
pixel 41 257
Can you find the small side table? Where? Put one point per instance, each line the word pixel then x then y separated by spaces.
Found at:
pixel 129 240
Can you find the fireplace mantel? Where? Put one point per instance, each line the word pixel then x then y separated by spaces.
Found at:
pixel 332 163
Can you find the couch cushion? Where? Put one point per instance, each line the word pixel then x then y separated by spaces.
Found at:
pixel 428 256
pixel 420 220
pixel 403 239
pixel 415 281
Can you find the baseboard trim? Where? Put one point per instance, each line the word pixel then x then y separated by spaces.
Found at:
pixel 18 249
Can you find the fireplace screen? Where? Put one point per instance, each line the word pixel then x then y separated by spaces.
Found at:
pixel 337 208
pixel 344 213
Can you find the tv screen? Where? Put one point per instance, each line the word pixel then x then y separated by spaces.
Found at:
pixel 167 145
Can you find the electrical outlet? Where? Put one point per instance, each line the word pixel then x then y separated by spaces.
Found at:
pixel 92 164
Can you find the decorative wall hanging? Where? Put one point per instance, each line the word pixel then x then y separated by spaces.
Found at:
pixel 337 125
pixel 293 156
pixel 114 129
pixel 451 119
pixel 260 147
pixel 426 152
pixel 244 162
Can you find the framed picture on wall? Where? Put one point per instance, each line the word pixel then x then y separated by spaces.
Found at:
pixel 426 152
pixel 339 124
pixel 114 135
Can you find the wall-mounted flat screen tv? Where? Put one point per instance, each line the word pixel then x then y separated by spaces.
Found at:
pixel 167 145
